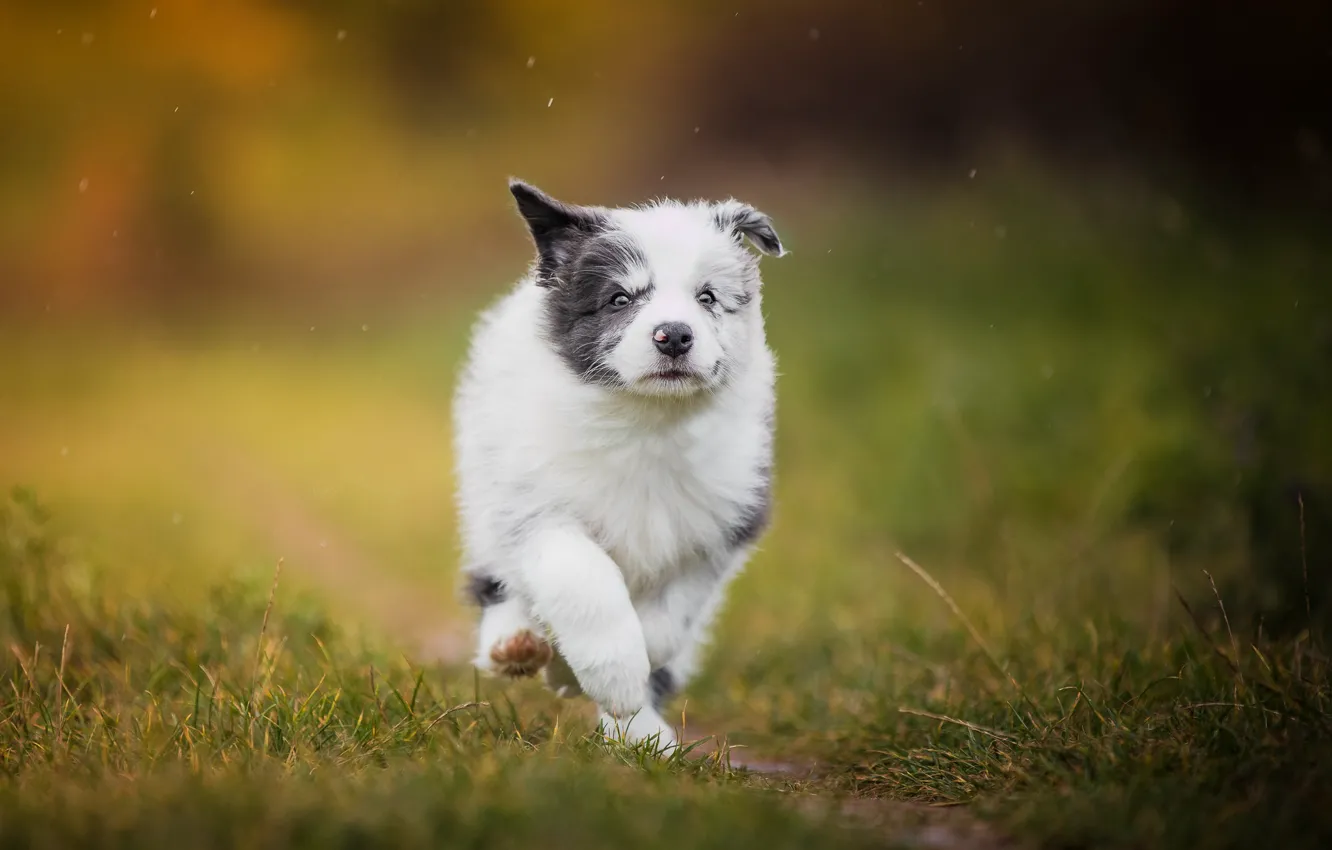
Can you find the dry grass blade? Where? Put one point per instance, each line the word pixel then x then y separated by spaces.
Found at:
pixel 60 688
pixel 1234 645
pixel 984 730
pixel 971 628
pixel 263 628
pixel 448 712
pixel 1203 631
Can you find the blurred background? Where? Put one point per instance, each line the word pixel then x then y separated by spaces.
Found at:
pixel 1057 315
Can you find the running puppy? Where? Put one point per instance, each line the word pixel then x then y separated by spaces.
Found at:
pixel 613 430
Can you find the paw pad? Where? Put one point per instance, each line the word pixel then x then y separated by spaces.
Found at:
pixel 519 655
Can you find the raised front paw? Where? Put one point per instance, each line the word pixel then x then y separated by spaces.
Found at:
pixel 521 654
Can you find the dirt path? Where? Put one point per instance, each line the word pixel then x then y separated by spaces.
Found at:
pixel 901 823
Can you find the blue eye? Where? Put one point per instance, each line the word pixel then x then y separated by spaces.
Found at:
pixel 707 298
pixel 620 300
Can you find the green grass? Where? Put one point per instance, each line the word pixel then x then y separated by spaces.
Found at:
pixel 129 724
pixel 1101 434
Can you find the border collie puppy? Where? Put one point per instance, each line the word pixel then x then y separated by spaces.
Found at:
pixel 613 438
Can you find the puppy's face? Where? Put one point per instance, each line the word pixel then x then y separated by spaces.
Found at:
pixel 658 301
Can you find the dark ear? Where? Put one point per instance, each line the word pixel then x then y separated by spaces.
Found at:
pixel 557 228
pixel 740 220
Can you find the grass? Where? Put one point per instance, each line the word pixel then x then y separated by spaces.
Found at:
pixel 1051 478
pixel 128 724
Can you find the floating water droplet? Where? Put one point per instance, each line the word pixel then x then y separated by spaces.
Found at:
pixel 365 327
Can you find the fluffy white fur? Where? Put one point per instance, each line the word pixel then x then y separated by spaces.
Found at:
pixel 607 510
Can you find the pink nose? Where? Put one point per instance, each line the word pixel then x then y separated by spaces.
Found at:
pixel 674 339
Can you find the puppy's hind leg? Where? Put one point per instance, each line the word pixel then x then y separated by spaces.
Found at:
pixel 509 641
pixel 699 601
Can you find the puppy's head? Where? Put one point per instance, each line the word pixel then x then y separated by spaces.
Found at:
pixel 658 300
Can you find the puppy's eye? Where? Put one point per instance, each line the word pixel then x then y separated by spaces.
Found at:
pixel 621 299
pixel 707 298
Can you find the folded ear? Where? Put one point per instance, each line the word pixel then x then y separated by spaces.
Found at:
pixel 557 228
pixel 741 220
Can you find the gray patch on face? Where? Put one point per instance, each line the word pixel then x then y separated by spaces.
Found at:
pixel 662 683
pixel 583 322
pixel 754 517
pixel 484 590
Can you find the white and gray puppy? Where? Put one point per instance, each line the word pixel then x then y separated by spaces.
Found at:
pixel 613 430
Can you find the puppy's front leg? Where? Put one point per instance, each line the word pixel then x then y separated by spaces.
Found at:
pixel 579 593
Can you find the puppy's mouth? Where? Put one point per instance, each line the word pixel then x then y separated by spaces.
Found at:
pixel 673 375
pixel 676 378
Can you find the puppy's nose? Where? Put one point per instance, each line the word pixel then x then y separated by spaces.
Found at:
pixel 673 339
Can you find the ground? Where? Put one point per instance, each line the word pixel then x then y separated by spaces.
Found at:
pixel 1016 591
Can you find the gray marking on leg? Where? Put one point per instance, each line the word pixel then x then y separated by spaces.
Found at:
pixel 662 684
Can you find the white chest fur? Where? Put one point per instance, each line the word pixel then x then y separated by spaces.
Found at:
pixel 656 483
pixel 660 495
